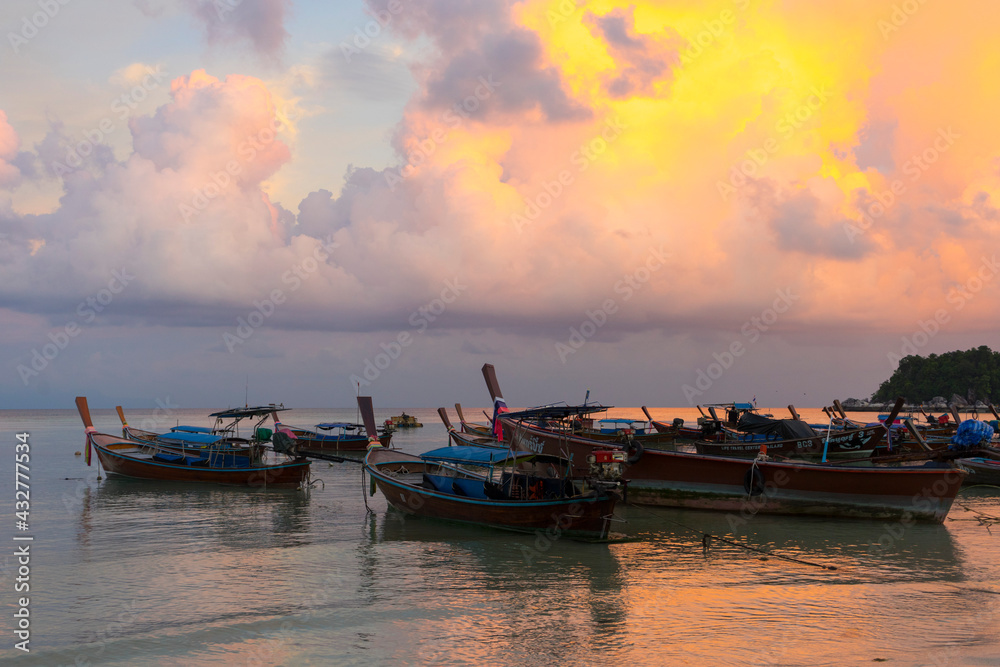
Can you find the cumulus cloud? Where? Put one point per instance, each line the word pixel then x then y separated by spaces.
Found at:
pixel 573 182
pixel 641 61
pixel 12 162
pixel 260 22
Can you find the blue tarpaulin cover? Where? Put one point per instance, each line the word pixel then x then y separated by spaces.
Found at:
pixel 470 454
pixel 971 432
pixel 190 438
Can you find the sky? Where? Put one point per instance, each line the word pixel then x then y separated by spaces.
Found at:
pixel 664 203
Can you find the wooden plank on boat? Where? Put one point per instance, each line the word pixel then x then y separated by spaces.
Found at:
pixel 795 414
pixel 917 435
pixel 840 408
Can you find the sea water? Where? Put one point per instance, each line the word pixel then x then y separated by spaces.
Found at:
pixel 129 572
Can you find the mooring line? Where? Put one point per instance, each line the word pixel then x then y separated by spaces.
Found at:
pixel 707 536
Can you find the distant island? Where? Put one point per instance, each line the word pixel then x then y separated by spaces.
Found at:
pixel 967 379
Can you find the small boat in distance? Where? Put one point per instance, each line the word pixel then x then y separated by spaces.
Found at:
pixel 497 488
pixel 402 421
pixel 148 460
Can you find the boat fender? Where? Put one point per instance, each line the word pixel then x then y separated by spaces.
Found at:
pixel 635 451
pixel 753 481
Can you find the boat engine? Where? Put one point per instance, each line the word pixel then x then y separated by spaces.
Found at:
pixel 283 443
pixel 606 464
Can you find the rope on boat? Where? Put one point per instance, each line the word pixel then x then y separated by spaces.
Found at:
pixel 707 537
pixel 364 496
pixel 981 517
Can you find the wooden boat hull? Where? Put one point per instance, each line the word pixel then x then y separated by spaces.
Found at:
pixel 112 454
pixel 679 479
pixel 582 517
pixel 984 471
pixel 309 440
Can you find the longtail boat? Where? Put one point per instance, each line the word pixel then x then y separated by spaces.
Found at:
pixel 497 488
pixel 793 437
pixel 199 439
pixel 463 438
pixel 679 479
pixel 146 460
pixel 332 437
pixel 472 428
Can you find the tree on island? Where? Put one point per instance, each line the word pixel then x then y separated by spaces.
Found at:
pixel 973 374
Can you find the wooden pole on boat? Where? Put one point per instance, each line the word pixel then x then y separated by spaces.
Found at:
pixel 711 411
pixel 795 414
pixel 954 413
pixel 461 415
pixel 652 423
pixel 490 375
pixel 368 418
pixel 443 414
pixel 993 409
pixel 84 410
pixel 840 408
pixel 917 435
pixel 890 419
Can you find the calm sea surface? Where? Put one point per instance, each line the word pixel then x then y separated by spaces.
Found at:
pixel 125 572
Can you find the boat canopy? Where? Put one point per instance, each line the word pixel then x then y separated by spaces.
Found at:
pixel 240 413
pixel 190 438
pixel 556 411
pixel 329 426
pixel 471 454
pixel 731 406
pixel 785 429
pixel 621 421
pixel 191 429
